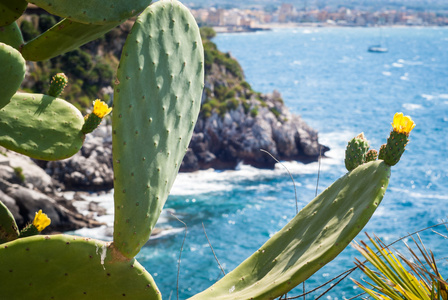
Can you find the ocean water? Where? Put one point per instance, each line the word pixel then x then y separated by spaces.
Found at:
pixel 327 76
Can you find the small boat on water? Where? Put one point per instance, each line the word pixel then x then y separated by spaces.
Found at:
pixel 377 49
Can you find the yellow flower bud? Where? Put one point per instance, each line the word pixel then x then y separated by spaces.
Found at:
pixel 100 108
pixel 402 124
pixel 41 221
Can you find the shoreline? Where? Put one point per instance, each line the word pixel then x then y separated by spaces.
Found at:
pixel 274 26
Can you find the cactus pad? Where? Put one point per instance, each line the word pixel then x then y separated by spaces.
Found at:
pixel 8 226
pixel 314 237
pixel 41 127
pixel 156 104
pixel 11 35
pixel 355 153
pixel 12 73
pixel 11 10
pixel 68 267
pixel 62 37
pixel 395 147
pixel 94 11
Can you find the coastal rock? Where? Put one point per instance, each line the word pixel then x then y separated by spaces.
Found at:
pixel 24 203
pixel 89 169
pixel 18 168
pixel 224 142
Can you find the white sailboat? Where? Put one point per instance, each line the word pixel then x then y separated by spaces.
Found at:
pixel 378 48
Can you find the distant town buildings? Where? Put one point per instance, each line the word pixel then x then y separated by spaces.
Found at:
pixel 288 14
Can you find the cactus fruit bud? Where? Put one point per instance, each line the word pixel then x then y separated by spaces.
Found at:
pixel 93 120
pixel 382 151
pixel 371 155
pixel 57 85
pixel 40 222
pixel 398 139
pixel 355 153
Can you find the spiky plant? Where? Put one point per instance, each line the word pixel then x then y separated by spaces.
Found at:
pixel 397 277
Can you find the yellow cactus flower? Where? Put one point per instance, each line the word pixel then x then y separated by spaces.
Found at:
pixel 100 108
pixel 402 124
pixel 41 221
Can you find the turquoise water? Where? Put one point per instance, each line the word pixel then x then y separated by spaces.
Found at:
pixel 328 77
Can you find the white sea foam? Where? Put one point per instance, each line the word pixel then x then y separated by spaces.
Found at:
pixel 428 97
pixel 397 65
pixel 412 106
pixel 405 77
pixel 420 195
pixel 443 96
pixel 386 73
pixel 207 181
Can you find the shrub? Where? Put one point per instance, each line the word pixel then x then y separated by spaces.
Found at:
pixel 232 104
pixel 275 112
pixel 19 173
pixel 254 112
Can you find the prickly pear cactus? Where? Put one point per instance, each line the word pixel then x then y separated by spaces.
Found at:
pixel 398 139
pixel 382 152
pixel 8 227
pixel 314 237
pixel 62 37
pixel 11 35
pixel 57 85
pixel 41 127
pixel 355 153
pixel 12 72
pixel 156 105
pixel 68 267
pixel 11 11
pixel 371 155
pixel 94 11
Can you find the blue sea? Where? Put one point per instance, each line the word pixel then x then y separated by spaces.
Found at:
pixel 327 76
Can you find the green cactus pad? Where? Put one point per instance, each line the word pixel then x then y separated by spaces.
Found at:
pixel 57 85
pixel 94 11
pixel 8 226
pixel 156 104
pixel 62 37
pixel 395 147
pixel 68 267
pixel 12 73
pixel 355 153
pixel 313 238
pixel 11 35
pixel 11 10
pixel 41 127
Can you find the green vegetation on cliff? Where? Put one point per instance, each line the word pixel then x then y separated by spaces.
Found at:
pixel 90 70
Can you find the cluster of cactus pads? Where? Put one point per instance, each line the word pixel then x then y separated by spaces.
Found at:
pixel 156 104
